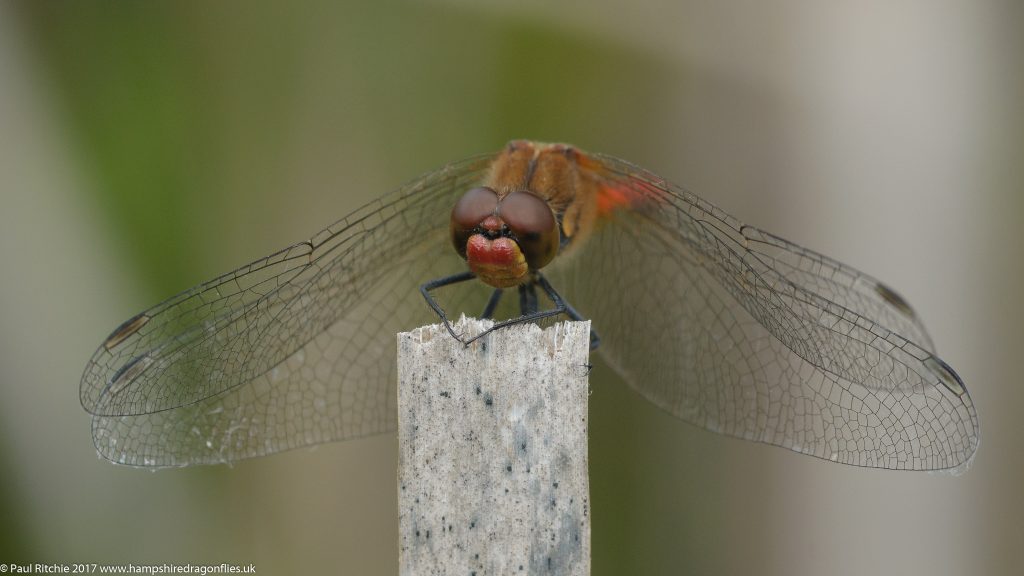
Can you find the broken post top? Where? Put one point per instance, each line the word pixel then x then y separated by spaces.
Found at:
pixel 526 336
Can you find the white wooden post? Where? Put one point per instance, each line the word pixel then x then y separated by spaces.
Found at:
pixel 492 467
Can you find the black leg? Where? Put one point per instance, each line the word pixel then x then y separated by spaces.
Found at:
pixel 527 302
pixel 524 301
pixel 438 283
pixel 528 299
pixel 492 303
pixel 525 292
pixel 571 312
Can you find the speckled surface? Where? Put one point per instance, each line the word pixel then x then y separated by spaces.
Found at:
pixel 492 475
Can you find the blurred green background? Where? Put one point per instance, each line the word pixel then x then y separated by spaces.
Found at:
pixel 145 147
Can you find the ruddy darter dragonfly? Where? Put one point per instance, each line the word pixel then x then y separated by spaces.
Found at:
pixel 723 325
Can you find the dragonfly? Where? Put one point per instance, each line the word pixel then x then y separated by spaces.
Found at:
pixel 721 324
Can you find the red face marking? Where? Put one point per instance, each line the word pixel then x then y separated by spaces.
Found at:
pixel 498 262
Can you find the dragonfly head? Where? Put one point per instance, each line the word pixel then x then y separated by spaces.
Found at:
pixel 503 238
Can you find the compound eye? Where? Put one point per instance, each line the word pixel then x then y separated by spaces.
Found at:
pixel 533 226
pixel 468 213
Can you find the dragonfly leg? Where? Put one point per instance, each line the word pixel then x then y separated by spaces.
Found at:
pixel 426 287
pixel 531 313
pixel 492 303
pixel 528 299
pixel 571 312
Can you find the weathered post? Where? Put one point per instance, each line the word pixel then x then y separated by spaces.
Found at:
pixel 492 467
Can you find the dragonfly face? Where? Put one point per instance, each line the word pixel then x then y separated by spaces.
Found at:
pixel 504 238
pixel 723 325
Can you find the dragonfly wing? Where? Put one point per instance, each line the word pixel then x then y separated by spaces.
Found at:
pixel 292 350
pixel 761 339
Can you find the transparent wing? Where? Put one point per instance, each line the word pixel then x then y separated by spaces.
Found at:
pixel 294 349
pixel 743 333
